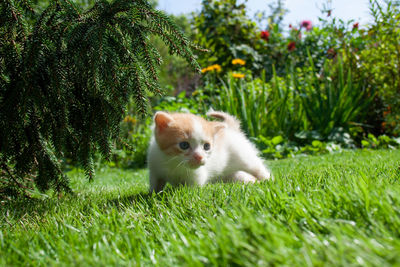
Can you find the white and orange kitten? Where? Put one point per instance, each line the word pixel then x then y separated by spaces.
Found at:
pixel 187 149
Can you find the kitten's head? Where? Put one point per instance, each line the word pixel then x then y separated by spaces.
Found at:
pixel 186 137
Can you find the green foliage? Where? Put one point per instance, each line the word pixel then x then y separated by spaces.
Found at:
pixel 307 104
pixel 332 100
pixel 223 27
pixel 255 103
pixel 383 141
pixel 326 40
pixel 131 147
pixel 331 210
pixel 175 74
pixel 278 148
pixel 40 5
pixel 180 103
pixel 65 82
pixel 380 60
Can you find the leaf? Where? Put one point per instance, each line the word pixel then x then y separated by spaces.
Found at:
pixel 277 140
pixel 316 143
pixel 365 143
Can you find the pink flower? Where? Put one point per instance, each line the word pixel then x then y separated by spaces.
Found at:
pixel 291 46
pixel 265 35
pixel 307 24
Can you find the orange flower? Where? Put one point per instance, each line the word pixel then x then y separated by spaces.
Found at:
pixel 238 61
pixel 238 75
pixel 387 111
pixel 217 67
pixel 214 67
pixel 130 119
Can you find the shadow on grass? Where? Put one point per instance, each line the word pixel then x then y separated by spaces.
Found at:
pixel 146 198
pixel 15 210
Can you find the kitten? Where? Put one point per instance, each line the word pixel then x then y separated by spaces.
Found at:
pixel 187 149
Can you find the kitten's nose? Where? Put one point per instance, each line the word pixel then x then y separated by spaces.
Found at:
pixel 198 158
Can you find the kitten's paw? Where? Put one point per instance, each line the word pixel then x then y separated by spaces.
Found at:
pixel 244 177
pixel 264 175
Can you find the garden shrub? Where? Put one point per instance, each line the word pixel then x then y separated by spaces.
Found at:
pixel 380 61
pixel 131 148
pixel 224 28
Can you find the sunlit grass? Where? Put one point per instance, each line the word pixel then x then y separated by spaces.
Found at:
pixel 336 210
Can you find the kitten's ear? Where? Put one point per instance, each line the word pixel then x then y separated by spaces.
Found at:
pixel 219 126
pixel 162 120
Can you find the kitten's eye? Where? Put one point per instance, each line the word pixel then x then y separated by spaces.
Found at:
pixel 207 146
pixel 184 145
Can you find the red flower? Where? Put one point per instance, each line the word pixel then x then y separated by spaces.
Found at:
pixel 355 25
pixel 265 35
pixel 307 24
pixel 291 46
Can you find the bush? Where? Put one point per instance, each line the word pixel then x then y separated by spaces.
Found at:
pixel 380 61
pixel 131 147
pixel 224 28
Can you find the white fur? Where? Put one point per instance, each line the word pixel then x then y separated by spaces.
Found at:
pixel 232 158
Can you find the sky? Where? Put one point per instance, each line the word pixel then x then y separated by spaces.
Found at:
pixel 299 10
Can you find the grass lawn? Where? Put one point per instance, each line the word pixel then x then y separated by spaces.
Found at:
pixel 335 210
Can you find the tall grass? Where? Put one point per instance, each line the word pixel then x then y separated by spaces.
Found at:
pixel 265 108
pixel 333 99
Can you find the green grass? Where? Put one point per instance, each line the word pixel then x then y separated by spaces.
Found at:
pixel 336 210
